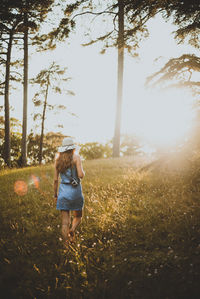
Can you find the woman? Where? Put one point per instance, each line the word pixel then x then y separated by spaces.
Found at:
pixel 70 198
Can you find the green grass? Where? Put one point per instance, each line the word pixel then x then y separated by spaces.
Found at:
pixel 139 237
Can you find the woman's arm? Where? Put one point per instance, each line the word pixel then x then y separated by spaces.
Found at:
pixel 56 174
pixel 79 167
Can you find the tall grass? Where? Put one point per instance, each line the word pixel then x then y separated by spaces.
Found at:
pixel 139 237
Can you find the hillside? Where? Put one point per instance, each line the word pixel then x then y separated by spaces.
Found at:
pixel 139 237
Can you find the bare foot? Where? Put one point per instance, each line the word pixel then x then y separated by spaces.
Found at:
pixel 71 236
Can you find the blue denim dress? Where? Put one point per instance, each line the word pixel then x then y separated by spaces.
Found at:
pixel 69 197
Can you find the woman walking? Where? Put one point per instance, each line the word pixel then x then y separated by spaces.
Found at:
pixel 69 198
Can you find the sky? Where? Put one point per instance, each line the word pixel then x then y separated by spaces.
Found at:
pixel 94 81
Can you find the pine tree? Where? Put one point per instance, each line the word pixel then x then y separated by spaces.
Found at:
pixel 48 79
pixel 127 21
pixel 17 19
pixel 9 22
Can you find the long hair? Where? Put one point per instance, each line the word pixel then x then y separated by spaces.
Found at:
pixel 64 160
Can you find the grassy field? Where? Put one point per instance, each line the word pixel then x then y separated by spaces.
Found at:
pixel 139 237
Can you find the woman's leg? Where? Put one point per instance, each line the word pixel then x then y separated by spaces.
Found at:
pixel 76 221
pixel 65 224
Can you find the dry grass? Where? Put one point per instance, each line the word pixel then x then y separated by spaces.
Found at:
pixel 139 237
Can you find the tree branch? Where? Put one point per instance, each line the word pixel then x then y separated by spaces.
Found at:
pixel 93 13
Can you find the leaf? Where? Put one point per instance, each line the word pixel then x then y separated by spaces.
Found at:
pixel 37 102
pixel 37 116
pixel 61 107
pixel 57 89
pixel 7 261
pixel 70 93
pixel 36 268
pixel 50 107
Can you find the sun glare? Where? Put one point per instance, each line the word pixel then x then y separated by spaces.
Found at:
pixel 162 119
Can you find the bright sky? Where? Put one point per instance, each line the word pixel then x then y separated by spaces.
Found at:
pixel 94 83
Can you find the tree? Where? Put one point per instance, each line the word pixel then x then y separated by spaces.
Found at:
pixel 178 72
pixel 95 150
pixel 25 86
pixel 15 138
pixel 51 141
pixel 186 16
pixel 34 14
pixel 9 21
pixel 120 75
pixel 126 26
pixel 16 18
pixel 130 145
pixel 46 79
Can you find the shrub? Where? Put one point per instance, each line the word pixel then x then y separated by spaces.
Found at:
pixel 95 150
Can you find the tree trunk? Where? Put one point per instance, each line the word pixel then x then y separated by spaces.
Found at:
pixel 24 124
pixel 43 119
pixel 116 140
pixel 7 108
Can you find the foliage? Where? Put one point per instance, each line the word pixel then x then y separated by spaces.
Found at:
pixel 178 72
pixel 16 19
pixel 15 138
pixel 50 144
pixel 47 79
pixel 186 15
pixel 139 237
pixel 95 150
pixel 130 145
pixel 136 14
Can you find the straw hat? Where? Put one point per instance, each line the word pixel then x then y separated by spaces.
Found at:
pixel 67 144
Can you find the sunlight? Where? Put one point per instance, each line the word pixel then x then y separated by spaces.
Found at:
pixel 162 119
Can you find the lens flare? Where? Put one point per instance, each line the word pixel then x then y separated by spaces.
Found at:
pixel 20 187
pixel 35 181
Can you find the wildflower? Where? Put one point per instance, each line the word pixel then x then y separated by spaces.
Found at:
pixel 129 283
pixel 125 259
pixel 113 266
pixel 149 274
pixel 156 271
